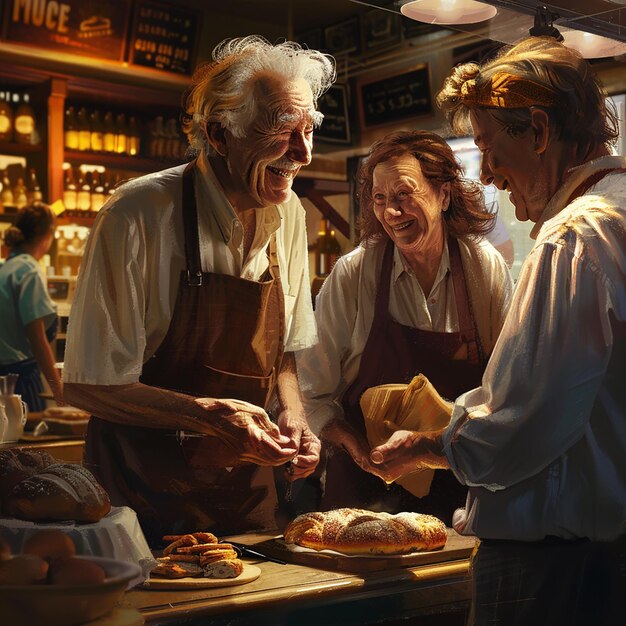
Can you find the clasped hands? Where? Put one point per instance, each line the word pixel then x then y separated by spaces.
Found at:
pixel 404 452
pixel 248 430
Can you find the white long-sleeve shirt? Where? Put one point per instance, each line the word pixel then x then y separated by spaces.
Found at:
pixel 130 272
pixel 344 311
pixel 542 442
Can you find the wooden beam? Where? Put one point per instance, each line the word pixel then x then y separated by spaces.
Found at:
pixel 329 213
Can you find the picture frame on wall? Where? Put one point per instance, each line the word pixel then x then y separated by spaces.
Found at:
pixel 395 97
pixel 344 37
pixel 381 30
pixel 164 37
pixel 335 127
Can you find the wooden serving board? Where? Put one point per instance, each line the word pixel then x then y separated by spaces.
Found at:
pixel 457 547
pixel 249 573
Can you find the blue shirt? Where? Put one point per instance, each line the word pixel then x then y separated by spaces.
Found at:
pixel 23 299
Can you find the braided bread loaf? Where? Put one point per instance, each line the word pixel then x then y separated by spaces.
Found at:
pixel 36 488
pixel 355 531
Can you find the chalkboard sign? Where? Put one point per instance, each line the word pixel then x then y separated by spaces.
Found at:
pixel 164 37
pixel 334 105
pixel 396 97
pixel 93 29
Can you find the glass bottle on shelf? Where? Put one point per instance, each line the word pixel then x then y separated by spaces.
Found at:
pixel 108 136
pixel 83 199
pixel 327 249
pixel 84 130
pixel 134 137
pixel 70 135
pixel 61 241
pixel 171 139
pixel 158 138
pixel 75 244
pixel 70 195
pixel 6 117
pixel 24 122
pixel 33 191
pixel 121 134
pixel 6 195
pixel 98 196
pixel 19 193
pixel 111 182
pixel 97 134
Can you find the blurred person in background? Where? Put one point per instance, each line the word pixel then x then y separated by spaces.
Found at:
pixel 28 316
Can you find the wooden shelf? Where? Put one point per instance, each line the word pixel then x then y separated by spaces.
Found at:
pixel 120 161
pixel 79 220
pixel 19 149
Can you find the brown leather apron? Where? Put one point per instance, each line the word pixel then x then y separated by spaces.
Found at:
pixel 225 340
pixel 395 353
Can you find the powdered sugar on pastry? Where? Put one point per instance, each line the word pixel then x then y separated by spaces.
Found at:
pixel 356 531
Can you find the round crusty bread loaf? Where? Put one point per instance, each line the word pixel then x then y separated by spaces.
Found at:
pixel 355 531
pixel 17 464
pixel 59 492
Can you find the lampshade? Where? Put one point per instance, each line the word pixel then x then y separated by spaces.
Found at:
pixel 448 11
pixel 592 46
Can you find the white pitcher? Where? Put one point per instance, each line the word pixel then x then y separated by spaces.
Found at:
pixel 15 411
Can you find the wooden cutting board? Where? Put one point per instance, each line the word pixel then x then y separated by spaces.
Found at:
pixel 457 547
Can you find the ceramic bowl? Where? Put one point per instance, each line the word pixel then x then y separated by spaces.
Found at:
pixel 66 605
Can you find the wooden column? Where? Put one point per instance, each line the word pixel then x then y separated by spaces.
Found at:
pixel 56 108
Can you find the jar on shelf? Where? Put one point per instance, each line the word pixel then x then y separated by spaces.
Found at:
pixel 70 133
pixel 24 123
pixel 6 117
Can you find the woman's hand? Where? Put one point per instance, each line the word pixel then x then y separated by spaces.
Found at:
pixel 342 435
pixel 407 451
pixel 294 426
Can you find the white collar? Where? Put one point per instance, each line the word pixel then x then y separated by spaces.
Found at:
pixel 575 177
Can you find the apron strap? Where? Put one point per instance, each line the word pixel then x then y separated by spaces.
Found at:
pixel 190 227
pixel 381 306
pixel 467 322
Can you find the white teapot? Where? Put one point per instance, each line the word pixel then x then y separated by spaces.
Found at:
pixel 13 412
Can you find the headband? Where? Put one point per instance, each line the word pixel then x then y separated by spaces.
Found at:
pixel 506 91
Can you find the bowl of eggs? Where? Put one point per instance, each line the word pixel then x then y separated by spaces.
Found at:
pixel 48 583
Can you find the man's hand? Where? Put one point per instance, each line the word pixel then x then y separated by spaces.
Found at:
pixel 295 427
pixel 342 435
pixel 407 451
pixel 248 430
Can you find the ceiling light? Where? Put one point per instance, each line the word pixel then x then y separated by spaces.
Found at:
pixel 592 46
pixel 448 11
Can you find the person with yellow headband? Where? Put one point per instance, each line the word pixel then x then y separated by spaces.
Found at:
pixel 541 443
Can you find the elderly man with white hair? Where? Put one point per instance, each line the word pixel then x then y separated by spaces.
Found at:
pixel 192 298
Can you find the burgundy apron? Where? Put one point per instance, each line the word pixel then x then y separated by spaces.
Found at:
pixel 395 353
pixel 225 340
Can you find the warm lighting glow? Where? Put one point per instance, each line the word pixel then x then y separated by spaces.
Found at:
pixel 448 11
pixel 592 46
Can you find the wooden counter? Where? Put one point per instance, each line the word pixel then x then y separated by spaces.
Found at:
pixel 436 594
pixel 62 449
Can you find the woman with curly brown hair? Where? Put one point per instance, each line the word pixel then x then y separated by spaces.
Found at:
pixel 28 316
pixel 423 293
